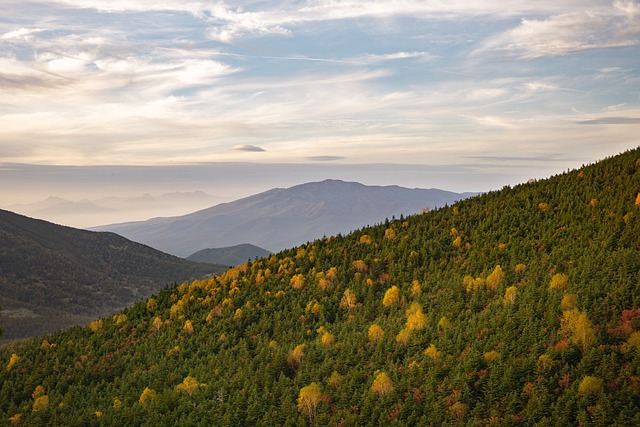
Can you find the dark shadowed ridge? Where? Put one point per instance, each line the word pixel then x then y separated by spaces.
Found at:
pixel 53 277
pixel 283 218
pixel 231 256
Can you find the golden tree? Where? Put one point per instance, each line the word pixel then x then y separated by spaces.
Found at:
pixel 390 234
pixel 359 265
pixel 403 336
pixel 375 333
pixel 416 289
pixel 96 325
pixel 188 327
pixel 297 281
pixel 577 326
pixel 327 338
pixel 382 384
pixel 589 386
pixel 334 380
pixel 444 323
pixel 308 400
pixel 348 300
pixel 365 239
pixel 332 274
pixel 569 302
pixel 40 403
pixel 510 295
pixel 491 356
pixel 458 410
pixel 147 395
pixel 156 324
pixel 495 278
pixel 296 355
pixel 189 385
pixel 432 352
pixel 391 297
pixel 559 281
pixel 12 361
pixel 416 320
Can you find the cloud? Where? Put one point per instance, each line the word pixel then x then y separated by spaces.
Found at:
pixel 252 148
pixel 372 59
pixel 561 34
pixel 22 34
pixel 611 121
pixel 324 158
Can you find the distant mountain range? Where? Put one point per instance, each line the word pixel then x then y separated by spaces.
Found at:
pixel 86 213
pixel 53 277
pixel 283 218
pixel 231 255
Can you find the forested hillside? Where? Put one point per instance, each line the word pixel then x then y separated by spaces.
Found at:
pixel 517 307
pixel 54 277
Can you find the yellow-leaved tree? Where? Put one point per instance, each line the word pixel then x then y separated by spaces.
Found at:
pixel 577 326
pixel 559 281
pixel 188 327
pixel 309 398
pixel 495 278
pixel 382 384
pixel 391 297
pixel 432 352
pixel 590 386
pixel 12 361
pixel 348 300
pixel 189 385
pixel 375 334
pixel 416 320
pixel 296 355
pixel 569 302
pixel 147 395
pixel 297 281
pixel 510 295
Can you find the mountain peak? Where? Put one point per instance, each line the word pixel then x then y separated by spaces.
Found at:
pixel 282 218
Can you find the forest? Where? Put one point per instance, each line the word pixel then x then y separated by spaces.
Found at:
pixel 516 307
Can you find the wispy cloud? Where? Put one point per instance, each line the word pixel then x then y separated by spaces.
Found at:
pixel 611 121
pixel 325 158
pixel 251 148
pixel 561 34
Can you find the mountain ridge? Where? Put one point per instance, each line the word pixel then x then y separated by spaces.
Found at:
pixel 280 218
pixel 231 255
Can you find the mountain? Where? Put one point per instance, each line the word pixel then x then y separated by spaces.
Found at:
pixel 283 218
pixel 516 307
pixel 232 255
pixel 54 277
pixel 85 213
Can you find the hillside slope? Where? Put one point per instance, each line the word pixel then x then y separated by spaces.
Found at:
pixel 53 277
pixel 283 218
pixel 518 307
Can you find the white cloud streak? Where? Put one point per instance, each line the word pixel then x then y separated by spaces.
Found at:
pixel 561 34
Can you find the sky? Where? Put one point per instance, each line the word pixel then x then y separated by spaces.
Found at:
pixel 123 97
